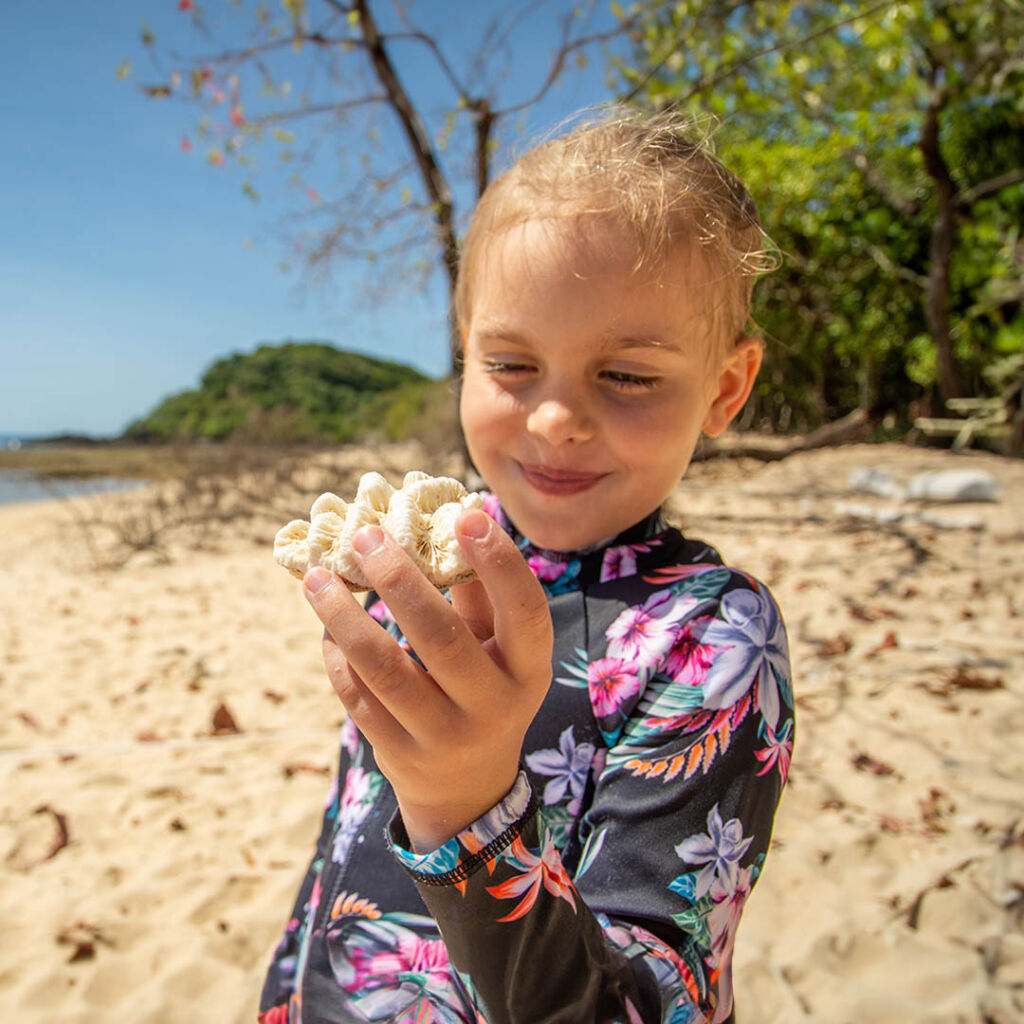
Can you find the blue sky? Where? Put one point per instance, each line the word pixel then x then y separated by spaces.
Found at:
pixel 127 266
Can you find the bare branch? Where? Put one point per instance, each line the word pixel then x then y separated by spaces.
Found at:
pixel 969 197
pixel 901 204
pixel 567 47
pixel 312 110
pixel 882 258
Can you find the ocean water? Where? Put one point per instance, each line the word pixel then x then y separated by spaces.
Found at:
pixel 22 485
pixel 17 485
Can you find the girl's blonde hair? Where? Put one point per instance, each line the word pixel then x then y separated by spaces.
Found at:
pixel 654 173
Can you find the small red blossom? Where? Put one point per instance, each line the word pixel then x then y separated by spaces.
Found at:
pixel 237 117
pixel 186 144
pixel 545 871
pixel 275 1015
pixel 185 5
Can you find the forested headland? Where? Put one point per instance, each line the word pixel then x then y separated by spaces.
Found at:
pixel 295 392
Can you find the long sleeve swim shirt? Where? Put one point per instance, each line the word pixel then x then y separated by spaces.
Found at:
pixel 608 885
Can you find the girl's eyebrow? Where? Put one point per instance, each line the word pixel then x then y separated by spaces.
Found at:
pixel 498 330
pixel 616 342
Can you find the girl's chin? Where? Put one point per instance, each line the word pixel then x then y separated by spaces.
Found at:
pixel 569 539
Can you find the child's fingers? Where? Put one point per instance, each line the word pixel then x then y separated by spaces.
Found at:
pixel 522 621
pixel 370 716
pixel 470 600
pixel 369 663
pixel 442 641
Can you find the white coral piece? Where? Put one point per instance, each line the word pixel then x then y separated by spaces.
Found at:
pixel 420 516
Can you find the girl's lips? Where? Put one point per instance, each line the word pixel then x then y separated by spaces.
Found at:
pixel 558 481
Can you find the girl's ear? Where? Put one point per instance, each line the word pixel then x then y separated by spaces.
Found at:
pixel 735 382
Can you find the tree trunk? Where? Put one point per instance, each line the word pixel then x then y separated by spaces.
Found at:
pixel 433 178
pixel 940 251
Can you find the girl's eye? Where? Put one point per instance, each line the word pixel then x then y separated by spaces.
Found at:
pixel 502 367
pixel 630 381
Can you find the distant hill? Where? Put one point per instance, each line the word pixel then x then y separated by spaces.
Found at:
pixel 294 391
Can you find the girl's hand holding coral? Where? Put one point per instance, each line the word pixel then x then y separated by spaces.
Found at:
pixel 447 735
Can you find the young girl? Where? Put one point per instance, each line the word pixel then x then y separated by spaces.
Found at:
pixel 555 809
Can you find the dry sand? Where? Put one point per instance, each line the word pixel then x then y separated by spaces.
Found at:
pixel 150 846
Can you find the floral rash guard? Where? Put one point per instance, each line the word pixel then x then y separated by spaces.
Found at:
pixel 608 885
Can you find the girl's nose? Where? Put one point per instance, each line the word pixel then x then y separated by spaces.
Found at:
pixel 558 421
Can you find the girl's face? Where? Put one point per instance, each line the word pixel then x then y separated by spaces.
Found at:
pixel 586 385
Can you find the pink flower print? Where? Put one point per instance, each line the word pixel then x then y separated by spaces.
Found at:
pixel 412 955
pixel 545 871
pixel 778 752
pixel 612 682
pixel 723 921
pixel 546 568
pixel 493 507
pixel 689 660
pixel 645 634
pixel 379 611
pixel 349 737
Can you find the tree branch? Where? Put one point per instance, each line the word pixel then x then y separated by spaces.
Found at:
pixel 434 181
pixel 901 204
pixel 970 196
pixel 706 81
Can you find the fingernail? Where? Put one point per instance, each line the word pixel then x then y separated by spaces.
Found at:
pixel 475 525
pixel 316 580
pixel 368 539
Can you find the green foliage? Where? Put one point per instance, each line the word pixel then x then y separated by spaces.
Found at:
pixel 296 391
pixel 822 107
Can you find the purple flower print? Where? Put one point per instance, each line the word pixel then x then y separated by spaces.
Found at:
pixel 395 970
pixel 719 850
pixel 753 649
pixel 612 682
pixel 645 634
pixel 357 799
pixel 569 765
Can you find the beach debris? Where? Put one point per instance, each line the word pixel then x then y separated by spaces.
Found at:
pixel 941 486
pixel 420 516
pixel 871 480
pixel 223 721
pixel 835 645
pixel 83 939
pixel 40 837
pixel 953 485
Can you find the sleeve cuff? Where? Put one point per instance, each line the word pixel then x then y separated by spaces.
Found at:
pixel 456 859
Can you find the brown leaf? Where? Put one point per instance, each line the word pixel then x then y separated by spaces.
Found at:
pixel 866 763
pixel 963 678
pixel 889 641
pixel 934 807
pixel 63 834
pixel 224 723
pixel 838 644
pixel 83 938
pixel 295 767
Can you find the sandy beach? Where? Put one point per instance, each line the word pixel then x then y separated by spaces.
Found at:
pixel 167 736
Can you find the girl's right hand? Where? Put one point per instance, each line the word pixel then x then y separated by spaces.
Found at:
pixel 447 735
